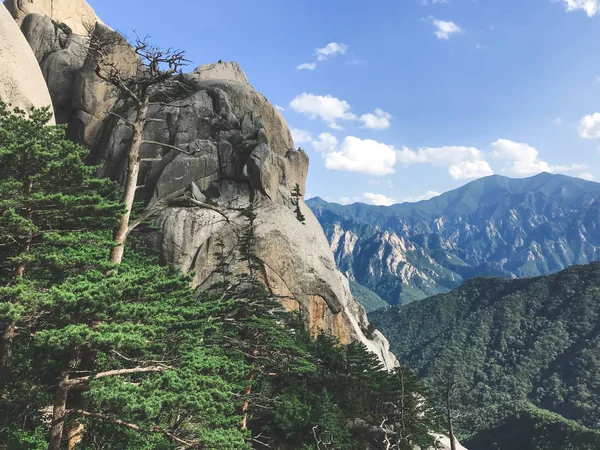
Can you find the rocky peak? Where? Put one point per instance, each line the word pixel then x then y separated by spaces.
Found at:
pixel 235 148
pixel 226 71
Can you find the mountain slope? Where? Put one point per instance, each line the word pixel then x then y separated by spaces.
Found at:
pixel 508 343
pixel 494 226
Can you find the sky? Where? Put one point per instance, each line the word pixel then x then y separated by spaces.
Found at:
pixel 400 100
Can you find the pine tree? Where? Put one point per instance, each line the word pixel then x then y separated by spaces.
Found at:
pixel 222 267
pixel 296 195
pixel 49 202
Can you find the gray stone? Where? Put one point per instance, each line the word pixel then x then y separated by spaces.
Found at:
pixel 193 191
pixel 21 80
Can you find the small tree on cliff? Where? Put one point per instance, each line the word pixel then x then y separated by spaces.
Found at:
pixel 296 195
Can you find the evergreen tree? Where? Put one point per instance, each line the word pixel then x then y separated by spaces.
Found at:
pixel 296 195
pixel 49 203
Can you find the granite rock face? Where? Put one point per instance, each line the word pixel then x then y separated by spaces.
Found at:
pixel 234 147
pixel 22 84
pixel 77 14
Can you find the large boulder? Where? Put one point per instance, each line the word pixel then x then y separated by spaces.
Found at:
pixel 77 14
pixel 21 81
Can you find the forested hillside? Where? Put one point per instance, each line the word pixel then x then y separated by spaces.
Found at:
pixel 497 345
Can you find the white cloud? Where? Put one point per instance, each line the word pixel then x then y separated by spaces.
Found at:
pixel 524 159
pixel 591 7
pixel 279 108
pixel 326 143
pixel 330 50
pixel 300 136
pixel 470 170
pixel 419 198
pixel 432 2
pixel 589 128
pixel 366 156
pixel 587 176
pixel 444 29
pixel 378 199
pixel 307 66
pixel 378 120
pixel 328 108
pixel 440 156
pixel 345 200
pixel 557 121
pixel 464 163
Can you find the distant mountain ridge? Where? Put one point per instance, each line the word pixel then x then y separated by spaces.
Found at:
pixel 494 226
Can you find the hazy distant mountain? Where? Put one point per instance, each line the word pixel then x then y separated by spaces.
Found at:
pixel 494 226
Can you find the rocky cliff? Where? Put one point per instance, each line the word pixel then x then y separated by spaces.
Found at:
pixel 236 147
pixel 22 83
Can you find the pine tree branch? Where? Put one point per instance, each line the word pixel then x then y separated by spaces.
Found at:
pixel 83 382
pixel 132 426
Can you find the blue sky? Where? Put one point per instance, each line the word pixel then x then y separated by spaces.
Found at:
pixel 396 100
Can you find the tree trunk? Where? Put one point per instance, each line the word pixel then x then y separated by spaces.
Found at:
pixel 76 429
pixel 133 170
pixel 6 340
pixel 450 425
pixel 248 391
pixel 59 410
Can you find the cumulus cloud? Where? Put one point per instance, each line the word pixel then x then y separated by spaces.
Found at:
pixel 327 142
pixel 444 29
pixel 323 54
pixel 589 127
pixel 307 66
pixel 587 176
pixel 470 170
pixel 463 163
pixel 591 7
pixel 378 120
pixel 279 108
pixel 524 159
pixel 419 198
pixel 300 136
pixel 377 199
pixel 330 50
pixel 440 156
pixel 325 107
pixel 362 155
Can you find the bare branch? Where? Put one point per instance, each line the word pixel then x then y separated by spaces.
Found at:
pixel 168 146
pixel 83 382
pixel 121 118
pixel 132 426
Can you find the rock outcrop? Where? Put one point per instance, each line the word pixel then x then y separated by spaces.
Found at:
pixel 77 14
pixel 22 83
pixel 235 147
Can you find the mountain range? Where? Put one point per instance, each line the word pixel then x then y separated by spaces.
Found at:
pixel 493 226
